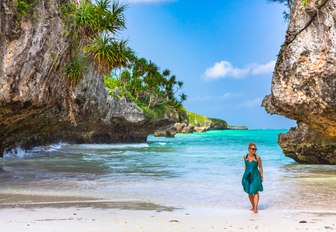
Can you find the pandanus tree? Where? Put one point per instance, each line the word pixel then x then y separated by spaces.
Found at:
pixel 92 35
pixel 108 53
pixel 94 31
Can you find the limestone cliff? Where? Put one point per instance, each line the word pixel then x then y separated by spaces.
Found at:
pixel 35 102
pixel 304 83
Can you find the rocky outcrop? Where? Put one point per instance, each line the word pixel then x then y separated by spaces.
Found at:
pixel 304 83
pixel 194 126
pixel 302 142
pixel 36 104
pixel 201 129
pixel 168 132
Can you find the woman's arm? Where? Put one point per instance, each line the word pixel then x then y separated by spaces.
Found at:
pixel 244 162
pixel 260 167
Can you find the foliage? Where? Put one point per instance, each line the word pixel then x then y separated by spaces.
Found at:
pixel 198 120
pixel 75 69
pixel 152 90
pixel 202 121
pixel 108 53
pixel 305 2
pixel 154 113
pixel 287 3
pixel 111 83
pixel 92 28
pixel 219 122
pixel 23 6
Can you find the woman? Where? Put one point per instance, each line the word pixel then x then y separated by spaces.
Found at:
pixel 253 177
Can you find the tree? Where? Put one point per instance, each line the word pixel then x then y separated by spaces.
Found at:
pixel 108 53
pixel 150 87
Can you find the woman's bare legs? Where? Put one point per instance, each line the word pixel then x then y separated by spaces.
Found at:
pixel 251 200
pixel 255 202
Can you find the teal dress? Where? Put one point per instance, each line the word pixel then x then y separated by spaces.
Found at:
pixel 252 179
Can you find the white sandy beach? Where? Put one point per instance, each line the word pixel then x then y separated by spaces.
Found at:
pixel 87 219
pixel 162 186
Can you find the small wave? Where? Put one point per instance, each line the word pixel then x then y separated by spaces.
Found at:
pixel 19 152
pixel 15 153
pixel 111 146
pixel 49 148
pixel 55 147
pixel 160 143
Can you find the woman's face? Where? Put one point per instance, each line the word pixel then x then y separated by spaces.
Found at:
pixel 253 149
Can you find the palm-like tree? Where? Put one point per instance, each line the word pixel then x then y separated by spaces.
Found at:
pixel 166 73
pixel 108 53
pixel 75 69
pixel 103 16
pixel 115 20
pixel 183 97
pixel 121 54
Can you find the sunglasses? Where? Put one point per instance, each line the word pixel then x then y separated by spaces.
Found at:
pixel 253 149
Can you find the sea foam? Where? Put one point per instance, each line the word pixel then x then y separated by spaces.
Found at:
pixel 14 153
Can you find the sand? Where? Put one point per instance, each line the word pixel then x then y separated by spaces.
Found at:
pixel 144 217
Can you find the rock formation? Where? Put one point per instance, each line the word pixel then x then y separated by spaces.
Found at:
pixel 194 123
pixel 304 83
pixel 35 103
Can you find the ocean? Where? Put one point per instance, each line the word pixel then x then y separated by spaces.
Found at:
pixel 199 170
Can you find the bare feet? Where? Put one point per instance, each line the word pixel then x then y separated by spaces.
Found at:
pixel 255 210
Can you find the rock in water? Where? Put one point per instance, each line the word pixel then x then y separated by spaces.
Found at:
pixel 304 83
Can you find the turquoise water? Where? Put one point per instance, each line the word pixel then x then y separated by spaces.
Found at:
pixel 191 170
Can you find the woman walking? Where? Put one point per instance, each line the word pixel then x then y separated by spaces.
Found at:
pixel 253 177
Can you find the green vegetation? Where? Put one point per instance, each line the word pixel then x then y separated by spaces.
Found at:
pixel 219 122
pixel 75 69
pixel 198 120
pixel 92 30
pixel 143 83
pixel 305 2
pixel 23 6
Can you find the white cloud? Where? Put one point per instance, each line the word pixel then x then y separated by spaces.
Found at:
pixel 225 69
pixel 226 95
pixel 259 69
pixel 251 103
pixel 148 1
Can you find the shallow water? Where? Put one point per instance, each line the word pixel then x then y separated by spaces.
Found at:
pixel 192 170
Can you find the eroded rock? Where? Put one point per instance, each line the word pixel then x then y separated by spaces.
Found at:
pixel 35 101
pixel 304 83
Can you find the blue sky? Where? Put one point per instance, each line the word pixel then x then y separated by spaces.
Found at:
pixel 223 50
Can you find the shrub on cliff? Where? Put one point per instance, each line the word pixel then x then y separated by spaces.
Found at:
pixel 198 120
